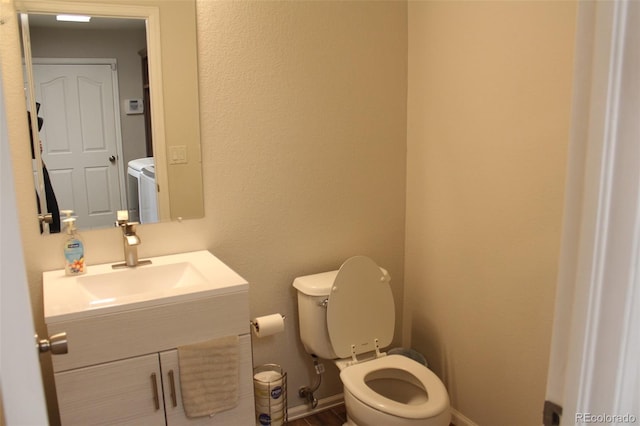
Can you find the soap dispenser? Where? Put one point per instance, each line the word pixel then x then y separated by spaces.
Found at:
pixel 74 263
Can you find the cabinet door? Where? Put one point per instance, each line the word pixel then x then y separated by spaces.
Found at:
pixel 242 414
pixel 127 392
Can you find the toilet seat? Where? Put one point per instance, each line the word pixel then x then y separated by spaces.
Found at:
pixel 353 378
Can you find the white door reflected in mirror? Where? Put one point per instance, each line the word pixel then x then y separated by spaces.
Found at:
pixel 80 136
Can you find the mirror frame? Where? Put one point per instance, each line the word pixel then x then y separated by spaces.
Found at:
pixel 151 15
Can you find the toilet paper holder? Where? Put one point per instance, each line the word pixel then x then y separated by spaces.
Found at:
pixel 256 326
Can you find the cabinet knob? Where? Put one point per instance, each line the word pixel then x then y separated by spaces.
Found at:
pixel 56 344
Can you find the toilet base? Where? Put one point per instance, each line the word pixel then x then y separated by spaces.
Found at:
pixel 359 414
pixel 349 422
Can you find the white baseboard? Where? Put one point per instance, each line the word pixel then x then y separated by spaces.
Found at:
pixel 304 410
pixel 458 419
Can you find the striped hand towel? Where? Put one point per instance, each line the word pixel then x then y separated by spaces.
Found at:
pixel 209 375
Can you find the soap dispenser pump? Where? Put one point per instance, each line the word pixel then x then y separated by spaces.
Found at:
pixel 74 263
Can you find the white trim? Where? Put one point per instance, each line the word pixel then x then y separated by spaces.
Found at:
pixel 624 261
pixel 300 411
pixel 596 208
pixel 574 189
pixel 74 61
pixel 459 419
pixel 598 273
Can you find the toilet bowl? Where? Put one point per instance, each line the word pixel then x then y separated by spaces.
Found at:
pixel 394 390
pixel 347 316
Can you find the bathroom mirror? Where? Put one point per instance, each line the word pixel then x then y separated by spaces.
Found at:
pixel 125 134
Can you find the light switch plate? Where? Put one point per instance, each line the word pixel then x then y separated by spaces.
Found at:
pixel 178 154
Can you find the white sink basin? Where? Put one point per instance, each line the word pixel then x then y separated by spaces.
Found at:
pixel 145 279
pixel 167 279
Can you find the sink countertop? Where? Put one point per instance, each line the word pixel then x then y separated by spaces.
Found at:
pixel 168 279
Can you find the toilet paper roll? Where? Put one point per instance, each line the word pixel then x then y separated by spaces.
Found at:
pixel 267 325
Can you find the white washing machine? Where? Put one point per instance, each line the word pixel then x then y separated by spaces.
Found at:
pixel 134 172
pixel 148 195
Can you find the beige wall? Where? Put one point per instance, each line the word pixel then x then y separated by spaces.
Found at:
pixel 303 123
pixel 304 131
pixel 488 128
pixel 307 140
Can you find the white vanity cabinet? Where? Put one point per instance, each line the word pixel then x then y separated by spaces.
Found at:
pixel 119 392
pixel 144 390
pixel 120 365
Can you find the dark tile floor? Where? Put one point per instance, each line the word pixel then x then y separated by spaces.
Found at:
pixel 332 417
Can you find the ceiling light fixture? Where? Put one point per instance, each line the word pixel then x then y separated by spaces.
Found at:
pixel 73 18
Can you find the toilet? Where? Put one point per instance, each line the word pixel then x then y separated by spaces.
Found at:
pixel 348 316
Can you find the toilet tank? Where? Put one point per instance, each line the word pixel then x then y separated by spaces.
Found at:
pixel 313 292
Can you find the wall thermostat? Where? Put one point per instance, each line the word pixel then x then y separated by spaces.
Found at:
pixel 133 106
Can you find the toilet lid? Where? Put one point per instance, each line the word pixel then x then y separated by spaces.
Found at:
pixel 360 308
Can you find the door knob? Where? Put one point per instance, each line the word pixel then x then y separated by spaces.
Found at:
pixel 45 218
pixel 56 344
pixel 112 159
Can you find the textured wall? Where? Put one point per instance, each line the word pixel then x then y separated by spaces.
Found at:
pixel 303 124
pixel 304 148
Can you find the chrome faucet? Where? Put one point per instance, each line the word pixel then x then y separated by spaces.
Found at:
pixel 131 241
